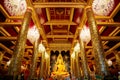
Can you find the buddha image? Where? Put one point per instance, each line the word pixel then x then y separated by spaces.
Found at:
pixel 59 69
pixel 59 65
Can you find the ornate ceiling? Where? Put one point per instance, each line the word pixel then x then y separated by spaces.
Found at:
pixel 59 23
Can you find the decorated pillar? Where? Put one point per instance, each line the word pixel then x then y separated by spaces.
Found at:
pixel 74 70
pixel 96 43
pixel 42 65
pixel 46 67
pixel 77 65
pixel 48 63
pixel 72 67
pixel 84 60
pixel 34 59
pixel 15 66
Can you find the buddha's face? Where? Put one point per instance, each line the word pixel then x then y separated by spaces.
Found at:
pixel 60 61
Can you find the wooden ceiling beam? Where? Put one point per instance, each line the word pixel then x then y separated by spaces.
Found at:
pixel 59 4
pixel 6 57
pixel 60 22
pixel 103 38
pixel 115 11
pixel 29 47
pixel 90 50
pixel 10 24
pixel 90 56
pixel 3 11
pixel 110 38
pixel 6 49
pixel 112 58
pixel 59 31
pixel 112 49
pixel 60 46
pixel 102 17
pixel 113 24
pixel 49 20
pixel 60 36
pixel 5 33
pixel 11 39
pixel 90 47
pixel 71 18
pixel 8 38
pixel 113 33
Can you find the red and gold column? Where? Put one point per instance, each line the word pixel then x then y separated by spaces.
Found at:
pixel 34 59
pixel 15 66
pixel 96 43
pixel 84 60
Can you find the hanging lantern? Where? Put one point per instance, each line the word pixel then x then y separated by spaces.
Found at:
pixel 77 47
pixel 85 34
pixel 46 55
pixel 15 7
pixel 41 48
pixel 73 55
pixel 33 34
pixel 102 7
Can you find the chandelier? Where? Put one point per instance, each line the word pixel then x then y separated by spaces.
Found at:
pixel 102 7
pixel 15 7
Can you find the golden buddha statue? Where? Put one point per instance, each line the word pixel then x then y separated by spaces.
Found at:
pixel 59 68
pixel 59 65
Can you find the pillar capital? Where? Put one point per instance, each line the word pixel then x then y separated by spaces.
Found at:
pixel 29 9
pixel 88 8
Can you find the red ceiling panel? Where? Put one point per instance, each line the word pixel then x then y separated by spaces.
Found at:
pixel 107 31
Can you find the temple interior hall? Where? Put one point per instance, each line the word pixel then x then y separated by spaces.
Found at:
pixel 59 39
